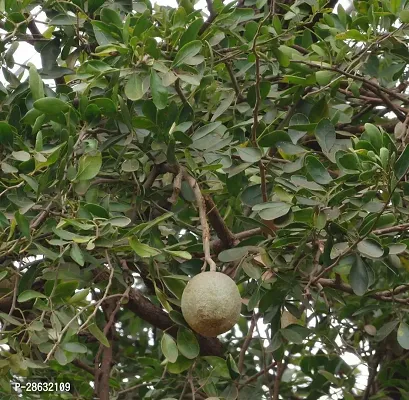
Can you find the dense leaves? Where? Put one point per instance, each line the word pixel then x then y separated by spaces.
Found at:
pixel 265 139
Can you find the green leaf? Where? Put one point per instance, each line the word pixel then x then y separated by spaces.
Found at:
pixel 142 250
pixel 295 333
pixel 51 105
pixel 22 224
pixel 62 20
pixel 6 133
pixel 134 88
pixel 75 347
pixel 249 154
pixel 330 377
pixel 219 366
pixel 169 348
pixel 120 221
pixel 317 170
pixel 324 77
pixel 76 254
pixel 21 155
pixel 224 105
pixel 177 317
pixel 10 319
pixel 231 364
pixel 79 296
pixel 325 134
pixel 89 166
pixel 301 181
pixel 187 343
pixel 272 210
pixel 191 33
pixel 205 130
pixel 36 83
pixel 251 270
pixel 385 330
pixel 159 92
pixel 29 295
pixel 99 335
pixel 234 254
pixel 3 274
pixel 358 277
pixel 181 364
pixel 402 164
pixel 274 138
pixel 403 335
pixel 370 248
pixel 404 16
pixel 179 254
pixel 186 52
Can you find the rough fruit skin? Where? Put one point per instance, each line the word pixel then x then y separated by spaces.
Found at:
pixel 211 303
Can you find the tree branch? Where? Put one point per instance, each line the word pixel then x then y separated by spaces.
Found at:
pixel 218 224
pixel 382 296
pixel 143 308
pixel 210 19
pixel 203 220
pixel 234 81
pixel 217 245
pixel 246 343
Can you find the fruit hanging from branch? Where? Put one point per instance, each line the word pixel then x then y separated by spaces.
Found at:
pixel 211 303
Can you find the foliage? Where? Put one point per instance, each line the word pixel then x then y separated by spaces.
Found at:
pixel 277 130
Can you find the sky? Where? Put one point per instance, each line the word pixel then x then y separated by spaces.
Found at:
pixel 25 53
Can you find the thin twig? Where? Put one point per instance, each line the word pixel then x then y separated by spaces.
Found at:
pixel 246 343
pixel 255 376
pixel 234 81
pixel 111 275
pixel 203 220
pixel 277 380
pixel 217 222
pixel 177 185
pixel 180 92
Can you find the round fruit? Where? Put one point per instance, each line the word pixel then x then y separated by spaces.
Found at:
pixel 211 303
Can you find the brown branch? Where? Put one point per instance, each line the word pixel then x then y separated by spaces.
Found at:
pixel 372 367
pixel 103 373
pixel 217 245
pixel 263 181
pixel 401 115
pixel 83 366
pixel 255 376
pixel 394 292
pixel 234 81
pixel 382 296
pixel 360 78
pixel 277 380
pixel 180 92
pixel 210 19
pixel 142 307
pixel 154 315
pixel 155 172
pixel 42 216
pixel 392 229
pixel 388 127
pixel 201 205
pixel 177 185
pixel 218 224
pixel 246 343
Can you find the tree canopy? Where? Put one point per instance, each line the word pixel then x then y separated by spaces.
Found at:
pixel 265 139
